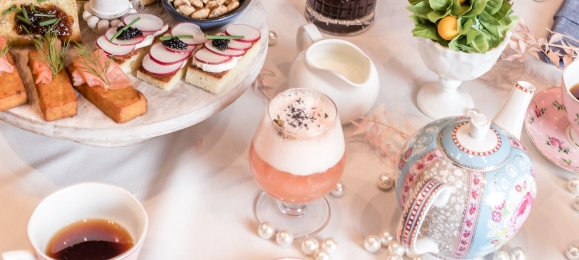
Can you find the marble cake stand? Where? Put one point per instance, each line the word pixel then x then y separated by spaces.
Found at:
pixel 168 111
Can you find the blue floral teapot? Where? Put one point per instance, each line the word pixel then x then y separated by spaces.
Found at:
pixel 466 185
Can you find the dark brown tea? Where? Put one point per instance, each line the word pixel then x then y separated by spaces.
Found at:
pixel 91 239
pixel 575 91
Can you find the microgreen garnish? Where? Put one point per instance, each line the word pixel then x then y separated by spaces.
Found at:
pixel 5 50
pixel 45 15
pixel 90 63
pixel 8 10
pixel 23 20
pixel 166 38
pixel 25 14
pixel 223 37
pixel 50 53
pixel 49 22
pixel 124 29
pixel 14 9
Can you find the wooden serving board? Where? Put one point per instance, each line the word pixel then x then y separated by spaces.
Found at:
pixel 168 111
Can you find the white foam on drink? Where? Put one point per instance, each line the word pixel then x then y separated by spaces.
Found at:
pixel 304 113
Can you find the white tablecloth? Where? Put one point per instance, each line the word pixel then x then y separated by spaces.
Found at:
pixel 196 184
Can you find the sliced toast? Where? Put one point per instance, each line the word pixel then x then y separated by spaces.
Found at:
pixel 12 91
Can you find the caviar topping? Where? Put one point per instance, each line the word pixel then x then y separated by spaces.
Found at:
pixel 128 33
pixel 220 44
pixel 175 43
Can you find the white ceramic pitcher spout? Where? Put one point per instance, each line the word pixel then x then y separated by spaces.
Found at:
pixel 337 68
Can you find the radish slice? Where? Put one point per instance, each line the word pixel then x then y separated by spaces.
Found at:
pixel 249 33
pixel 112 31
pixel 189 29
pixel 205 56
pixel 159 69
pixel 190 49
pixel 148 22
pixel 237 45
pixel 229 52
pixel 162 56
pixel 113 49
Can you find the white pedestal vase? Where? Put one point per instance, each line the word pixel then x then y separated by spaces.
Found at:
pixel 444 98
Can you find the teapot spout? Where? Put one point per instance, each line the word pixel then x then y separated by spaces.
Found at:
pixel 512 114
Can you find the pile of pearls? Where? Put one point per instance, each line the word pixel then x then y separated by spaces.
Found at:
pixel 387 239
pixel 516 254
pixel 98 24
pixel 310 246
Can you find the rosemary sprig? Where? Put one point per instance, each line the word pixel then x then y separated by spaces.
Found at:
pixel 50 54
pixel 25 14
pixel 26 29
pixel 23 20
pixel 45 15
pixel 124 29
pixel 49 22
pixel 15 9
pixel 5 50
pixel 8 10
pixel 169 37
pixel 54 24
pixel 90 63
pixel 32 8
pixel 223 37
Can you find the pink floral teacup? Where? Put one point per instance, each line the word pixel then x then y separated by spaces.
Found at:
pixel 570 103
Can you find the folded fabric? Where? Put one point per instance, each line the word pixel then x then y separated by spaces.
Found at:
pixel 567 20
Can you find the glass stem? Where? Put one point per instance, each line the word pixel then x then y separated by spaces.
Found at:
pixel 293 209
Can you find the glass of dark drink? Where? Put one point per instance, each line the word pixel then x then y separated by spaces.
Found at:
pixel 341 17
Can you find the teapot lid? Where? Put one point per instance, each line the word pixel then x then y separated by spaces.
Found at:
pixel 489 151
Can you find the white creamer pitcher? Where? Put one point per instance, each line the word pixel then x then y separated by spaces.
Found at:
pixel 337 68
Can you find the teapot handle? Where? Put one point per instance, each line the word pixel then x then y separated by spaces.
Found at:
pixel 306 36
pixel 432 193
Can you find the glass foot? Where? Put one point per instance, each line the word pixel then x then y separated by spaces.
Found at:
pixel 301 221
pixel 437 102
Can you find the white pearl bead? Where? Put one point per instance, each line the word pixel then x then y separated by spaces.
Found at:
pixel 372 243
pixel 576 203
pixel 86 14
pixel 394 257
pixel 396 249
pixel 103 26
pixel 266 230
pixel 518 254
pixel 284 238
pixel 501 255
pixel 115 22
pixel 272 38
pixel 339 190
pixel 329 244
pixel 411 255
pixel 572 253
pixel 322 254
pixel 385 182
pixel 573 185
pixel 310 246
pixel 92 21
pixel 386 237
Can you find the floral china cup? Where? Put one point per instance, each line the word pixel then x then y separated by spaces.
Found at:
pixel 570 102
pixel 466 185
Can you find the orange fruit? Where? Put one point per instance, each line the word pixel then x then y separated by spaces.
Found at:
pixel 448 27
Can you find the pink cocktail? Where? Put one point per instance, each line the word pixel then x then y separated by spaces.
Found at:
pixel 298 153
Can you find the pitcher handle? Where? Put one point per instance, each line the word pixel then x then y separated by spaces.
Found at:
pixel 432 193
pixel 306 36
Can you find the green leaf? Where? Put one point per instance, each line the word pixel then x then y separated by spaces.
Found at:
pixel 464 9
pixel 471 35
pixel 453 45
pixel 421 9
pixel 503 11
pixel 480 43
pixel 506 21
pixel 427 31
pixel 462 45
pixel 493 6
pixel 415 19
pixel 477 7
pixel 455 8
pixel 487 18
pixel 434 16
pixel 440 5
pixel 464 25
pixel 413 2
pixel 491 28
pixel 514 21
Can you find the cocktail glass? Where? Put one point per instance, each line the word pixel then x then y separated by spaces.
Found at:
pixel 297 156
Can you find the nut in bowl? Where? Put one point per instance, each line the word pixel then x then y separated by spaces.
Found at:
pixel 207 14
